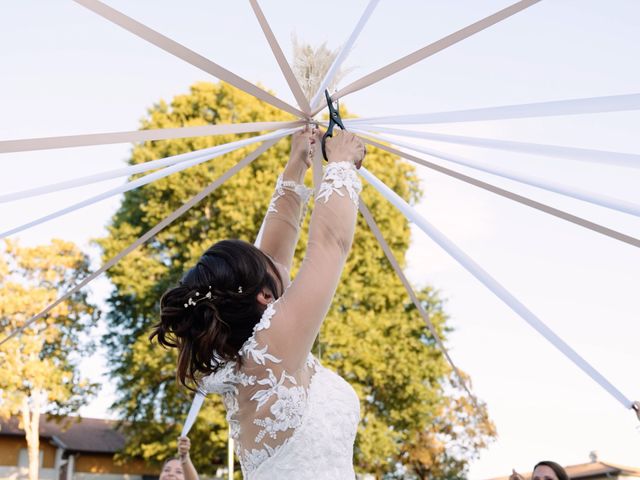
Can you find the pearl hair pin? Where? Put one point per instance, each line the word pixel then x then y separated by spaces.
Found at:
pixel 197 298
pixel 191 301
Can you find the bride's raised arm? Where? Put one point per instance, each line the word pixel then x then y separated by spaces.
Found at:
pixel 301 310
pixel 281 226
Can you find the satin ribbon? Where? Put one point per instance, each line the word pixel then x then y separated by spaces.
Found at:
pixel 291 79
pixel 551 186
pixel 67 141
pixel 340 58
pixel 416 301
pixel 576 106
pixel 576 220
pixel 196 405
pixel 145 180
pixel 205 153
pixel 604 157
pixel 494 286
pixel 433 48
pixel 184 53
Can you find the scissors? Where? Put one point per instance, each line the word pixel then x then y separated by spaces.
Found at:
pixel 334 119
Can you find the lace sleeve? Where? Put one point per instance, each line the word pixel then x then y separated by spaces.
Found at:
pixel 304 305
pixel 282 222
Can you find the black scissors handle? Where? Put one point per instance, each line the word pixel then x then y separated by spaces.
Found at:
pixel 334 119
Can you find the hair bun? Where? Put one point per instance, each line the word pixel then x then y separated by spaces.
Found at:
pixel 213 311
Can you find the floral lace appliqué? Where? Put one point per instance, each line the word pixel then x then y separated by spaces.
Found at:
pixel 250 348
pixel 287 412
pixel 280 401
pixel 340 175
pixel 292 421
pixel 281 185
pixel 254 458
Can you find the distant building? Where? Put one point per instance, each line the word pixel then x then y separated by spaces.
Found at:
pixel 594 470
pixel 71 450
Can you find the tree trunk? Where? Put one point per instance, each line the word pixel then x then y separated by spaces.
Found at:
pixel 31 422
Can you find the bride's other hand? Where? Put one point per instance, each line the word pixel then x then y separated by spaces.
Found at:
pixel 303 146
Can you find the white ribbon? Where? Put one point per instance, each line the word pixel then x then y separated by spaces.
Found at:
pixel 577 106
pixel 492 284
pixel 416 301
pixel 583 222
pixel 433 48
pixel 340 58
pixel 184 53
pixel 289 76
pixel 198 399
pixel 148 178
pixel 573 192
pixel 556 151
pixel 206 153
pixel 67 141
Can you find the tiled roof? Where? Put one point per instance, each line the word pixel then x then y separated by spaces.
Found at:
pixel 587 470
pixel 87 435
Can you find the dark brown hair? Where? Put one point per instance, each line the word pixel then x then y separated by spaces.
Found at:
pixel 213 330
pixel 557 469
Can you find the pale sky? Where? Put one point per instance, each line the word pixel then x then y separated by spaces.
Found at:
pixel 66 71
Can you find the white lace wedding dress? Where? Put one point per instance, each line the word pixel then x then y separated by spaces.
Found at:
pixel 290 417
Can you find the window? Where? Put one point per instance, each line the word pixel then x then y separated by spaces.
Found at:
pixel 23 458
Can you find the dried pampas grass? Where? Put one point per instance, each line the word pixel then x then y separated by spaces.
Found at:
pixel 310 66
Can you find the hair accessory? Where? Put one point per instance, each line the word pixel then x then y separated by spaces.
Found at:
pixel 240 289
pixel 191 301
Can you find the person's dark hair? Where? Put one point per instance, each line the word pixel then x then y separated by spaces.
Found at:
pixel 170 459
pixel 212 331
pixel 557 469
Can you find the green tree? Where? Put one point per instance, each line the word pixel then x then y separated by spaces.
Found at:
pixel 40 367
pixel 372 335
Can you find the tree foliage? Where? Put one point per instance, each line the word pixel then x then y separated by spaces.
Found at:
pixel 40 367
pixel 372 335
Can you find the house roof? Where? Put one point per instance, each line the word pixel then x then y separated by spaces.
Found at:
pixel 80 435
pixel 588 470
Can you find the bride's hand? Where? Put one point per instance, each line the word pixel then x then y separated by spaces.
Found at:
pixel 304 145
pixel 345 146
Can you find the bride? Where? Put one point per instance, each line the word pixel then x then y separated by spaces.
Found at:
pixel 244 331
